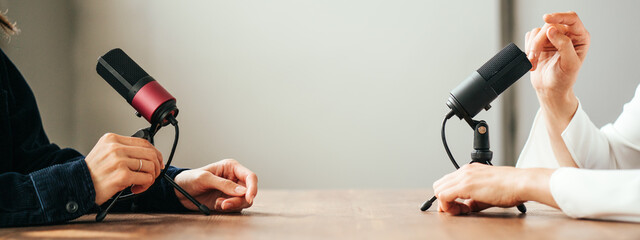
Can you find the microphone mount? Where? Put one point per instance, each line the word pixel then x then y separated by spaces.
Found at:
pixel 481 151
pixel 148 134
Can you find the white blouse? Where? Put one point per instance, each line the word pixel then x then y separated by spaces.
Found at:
pixel 590 191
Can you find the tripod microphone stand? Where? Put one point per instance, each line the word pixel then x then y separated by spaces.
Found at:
pixel 148 133
pixel 480 154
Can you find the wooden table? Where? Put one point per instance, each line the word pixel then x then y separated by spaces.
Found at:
pixel 337 214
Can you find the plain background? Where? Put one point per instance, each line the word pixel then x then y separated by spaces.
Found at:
pixel 308 94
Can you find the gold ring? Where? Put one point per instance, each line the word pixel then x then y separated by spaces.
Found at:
pixel 140 167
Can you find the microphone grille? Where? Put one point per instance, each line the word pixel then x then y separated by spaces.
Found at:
pixel 499 61
pixel 505 68
pixel 123 65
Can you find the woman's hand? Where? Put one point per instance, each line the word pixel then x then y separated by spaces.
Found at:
pixel 557 51
pixel 117 162
pixel 483 186
pixel 225 186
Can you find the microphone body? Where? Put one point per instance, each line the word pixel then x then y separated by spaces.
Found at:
pixel 478 90
pixel 144 93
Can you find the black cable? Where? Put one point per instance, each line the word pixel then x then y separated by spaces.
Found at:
pixel 173 122
pixel 426 205
pixel 444 140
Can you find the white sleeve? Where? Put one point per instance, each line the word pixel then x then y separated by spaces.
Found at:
pixel 615 146
pixel 537 150
pixel 597 194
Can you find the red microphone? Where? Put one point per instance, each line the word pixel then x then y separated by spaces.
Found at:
pixel 144 93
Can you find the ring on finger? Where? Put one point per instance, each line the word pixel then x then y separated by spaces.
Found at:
pixel 140 167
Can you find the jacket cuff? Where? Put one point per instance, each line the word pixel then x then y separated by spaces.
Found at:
pixel 161 196
pixel 64 191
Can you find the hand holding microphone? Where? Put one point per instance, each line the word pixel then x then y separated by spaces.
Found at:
pixel 117 162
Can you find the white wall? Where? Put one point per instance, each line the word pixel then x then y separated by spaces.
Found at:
pixel 314 94
pixel 308 94
pixel 607 79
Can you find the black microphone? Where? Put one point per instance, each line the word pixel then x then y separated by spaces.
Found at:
pixel 144 93
pixel 475 93
pixel 478 90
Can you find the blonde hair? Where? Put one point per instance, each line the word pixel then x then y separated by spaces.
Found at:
pixel 8 27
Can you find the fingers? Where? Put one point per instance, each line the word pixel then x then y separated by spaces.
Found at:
pixel 539 41
pixel 453 207
pixel 142 165
pixel 141 181
pixel 570 60
pixel 569 19
pixel 529 42
pixel 137 145
pixel 475 206
pixel 146 154
pixel 233 170
pixel 233 204
pixel 226 186
pixel 251 180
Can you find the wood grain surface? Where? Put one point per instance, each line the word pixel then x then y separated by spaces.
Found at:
pixel 336 214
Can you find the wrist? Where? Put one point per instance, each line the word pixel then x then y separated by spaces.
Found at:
pixel 558 109
pixel 534 186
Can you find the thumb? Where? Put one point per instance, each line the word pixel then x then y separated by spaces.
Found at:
pixel 224 185
pixel 569 58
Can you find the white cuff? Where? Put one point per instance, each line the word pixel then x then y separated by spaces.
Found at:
pixel 587 146
pixel 537 150
pixel 597 194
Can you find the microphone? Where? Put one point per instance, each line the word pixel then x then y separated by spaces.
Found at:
pixel 151 101
pixel 475 93
pixel 144 93
pixel 480 88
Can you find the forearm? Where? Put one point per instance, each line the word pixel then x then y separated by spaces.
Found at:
pixel 557 112
pixel 534 186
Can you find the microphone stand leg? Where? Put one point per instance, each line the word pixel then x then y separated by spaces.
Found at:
pixel 426 205
pixel 522 208
pixel 103 214
pixel 203 208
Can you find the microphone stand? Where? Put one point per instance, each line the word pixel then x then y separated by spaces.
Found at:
pixel 148 133
pixel 480 154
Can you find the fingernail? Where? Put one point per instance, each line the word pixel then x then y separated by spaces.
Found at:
pixel 226 205
pixel 552 31
pixel 241 190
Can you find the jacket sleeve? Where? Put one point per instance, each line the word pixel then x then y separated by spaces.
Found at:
pixel 41 183
pixel 53 194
